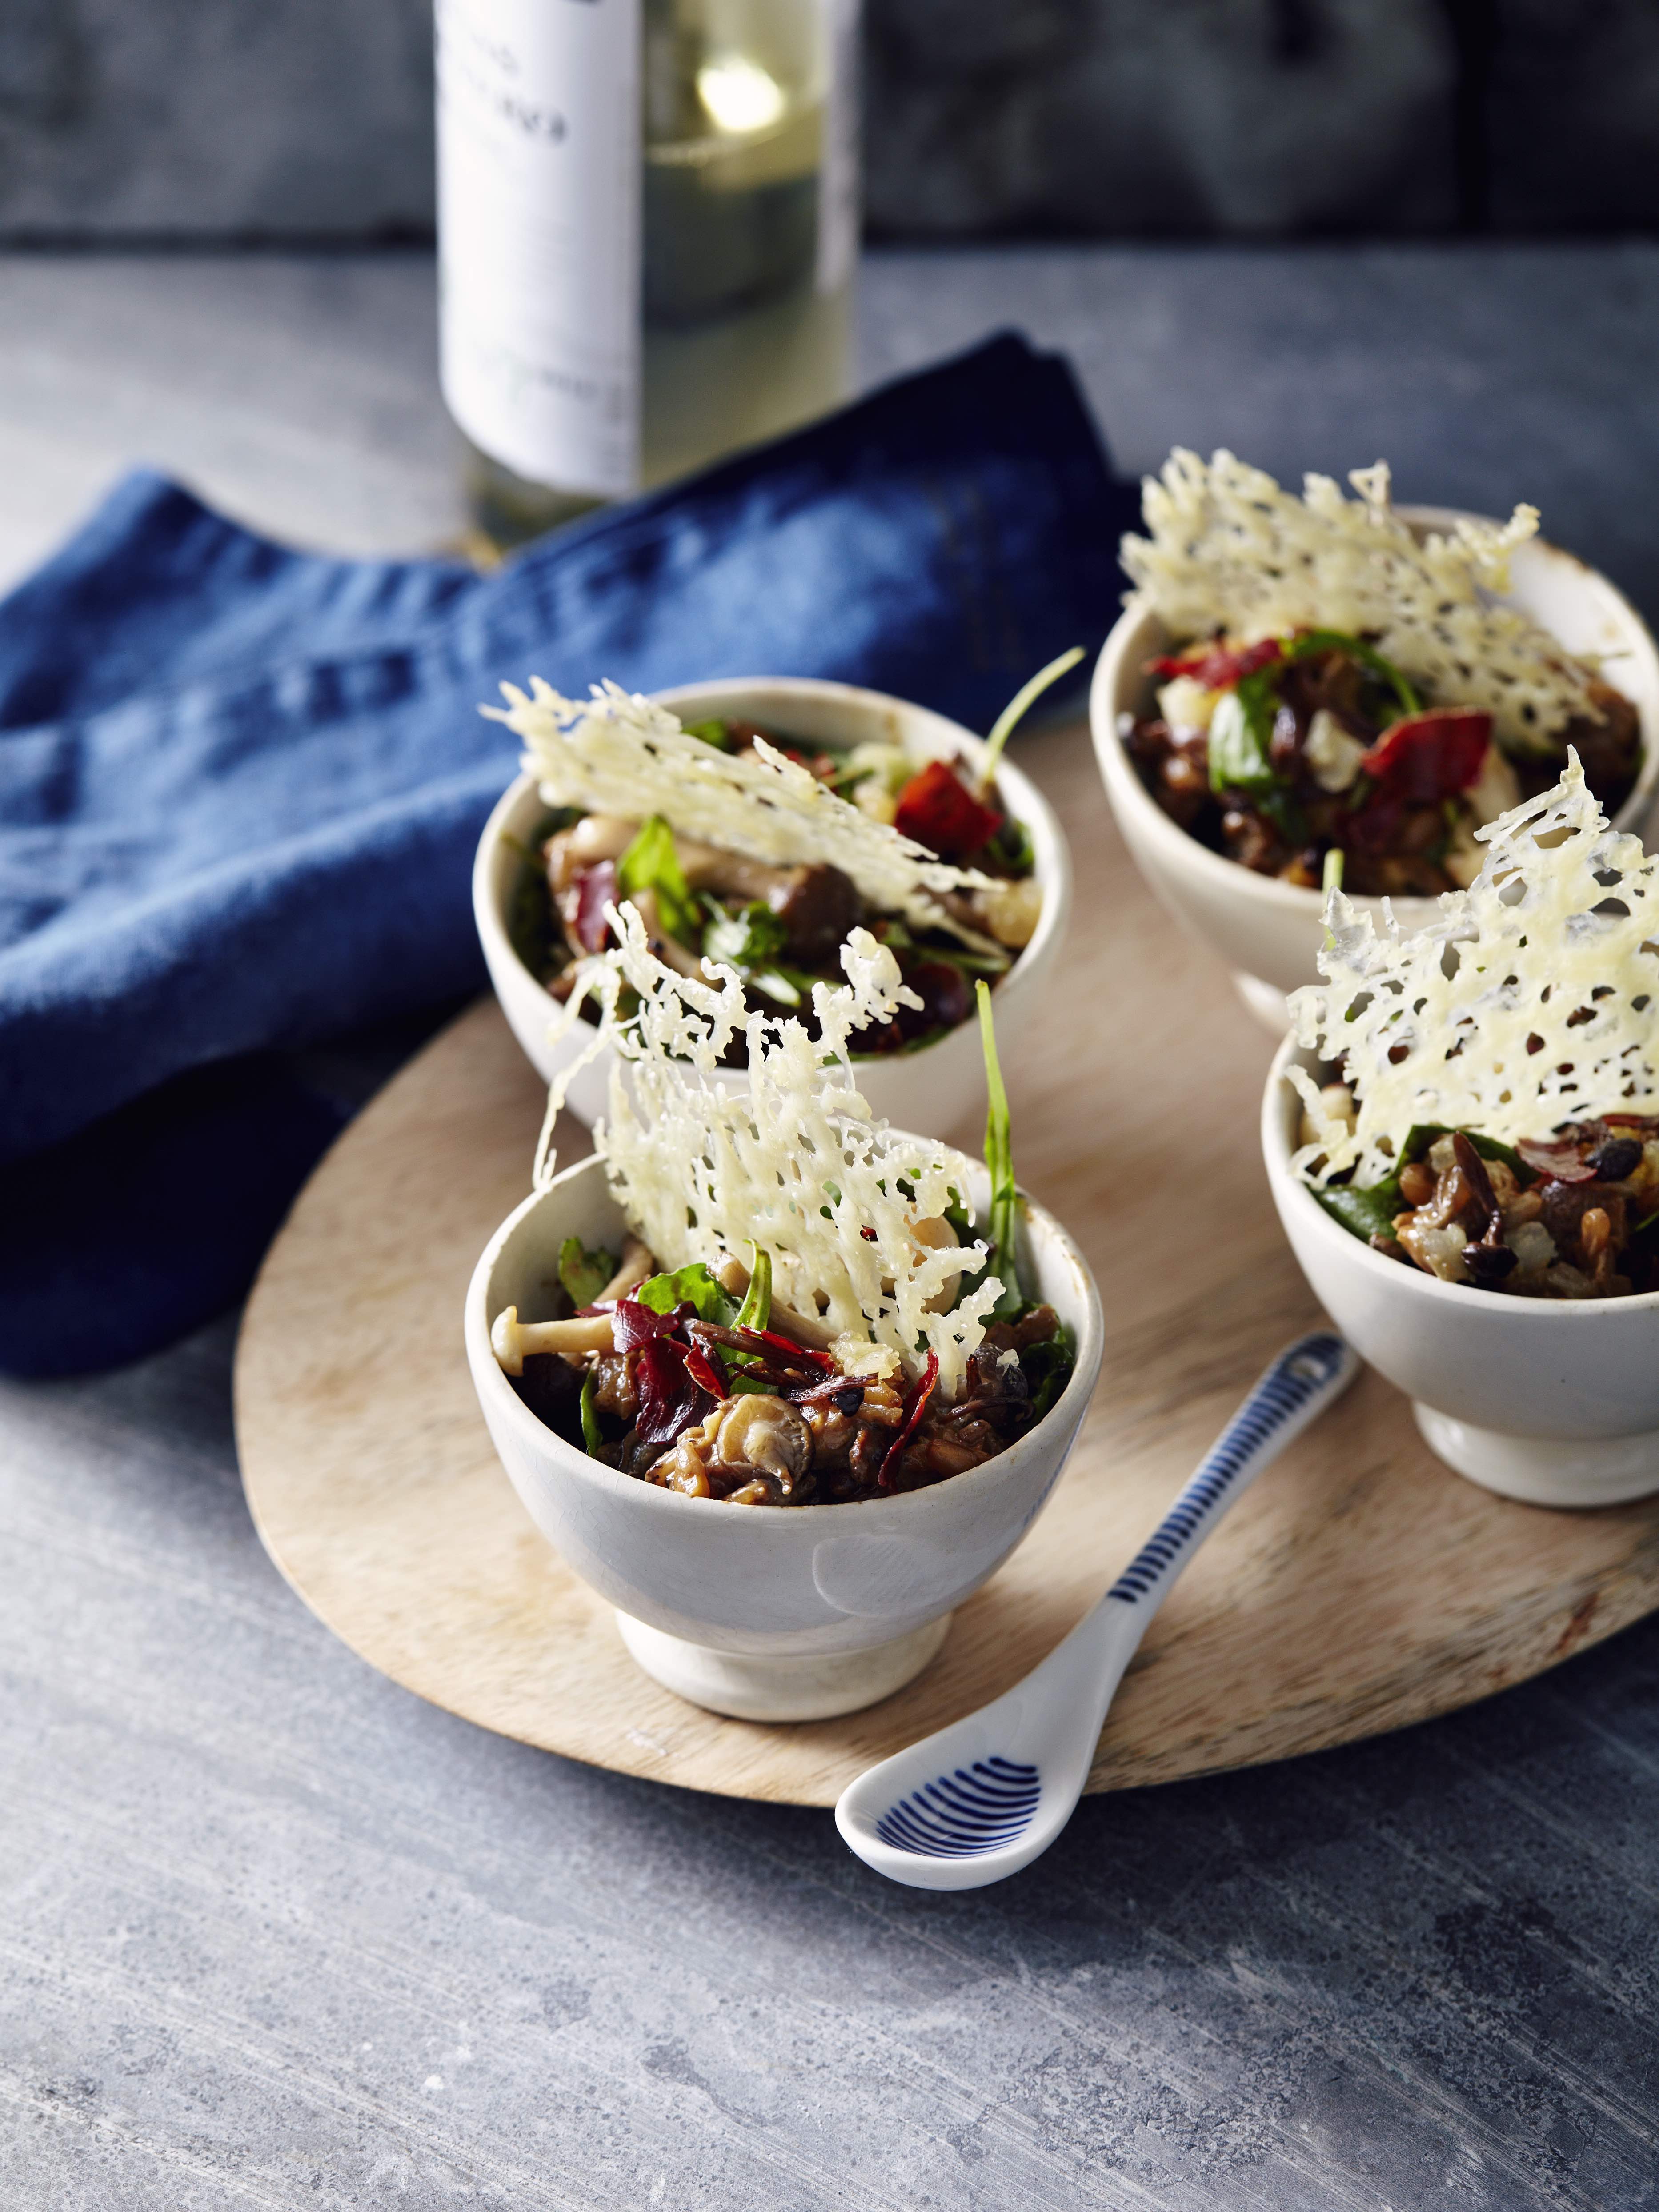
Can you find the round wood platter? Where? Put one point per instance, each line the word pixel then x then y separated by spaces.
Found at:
pixel 1358 1587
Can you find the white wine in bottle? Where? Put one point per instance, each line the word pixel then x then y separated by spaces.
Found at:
pixel 646 235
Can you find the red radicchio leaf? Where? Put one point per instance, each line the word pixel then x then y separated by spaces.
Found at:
pixel 937 809
pixel 634 1325
pixel 670 1399
pixel 1558 1157
pixel 1430 756
pixel 918 1407
pixel 1218 666
pixel 756 1337
pixel 705 1374
pixel 596 888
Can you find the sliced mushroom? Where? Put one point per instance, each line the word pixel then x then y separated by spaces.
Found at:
pixel 764 1433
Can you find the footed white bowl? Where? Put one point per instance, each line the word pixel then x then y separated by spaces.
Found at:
pixel 1269 933
pixel 768 1612
pixel 1554 1402
pixel 937 1090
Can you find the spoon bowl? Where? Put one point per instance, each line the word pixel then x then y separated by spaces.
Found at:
pixel 977 1802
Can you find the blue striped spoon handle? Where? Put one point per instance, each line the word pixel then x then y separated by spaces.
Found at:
pixel 983 1797
pixel 1291 1392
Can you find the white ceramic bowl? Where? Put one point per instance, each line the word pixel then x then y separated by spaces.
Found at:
pixel 1269 933
pixel 1556 1402
pixel 935 1091
pixel 771 1613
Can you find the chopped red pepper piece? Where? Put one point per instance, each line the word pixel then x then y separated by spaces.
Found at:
pixel 913 1413
pixel 1218 666
pixel 937 809
pixel 1430 756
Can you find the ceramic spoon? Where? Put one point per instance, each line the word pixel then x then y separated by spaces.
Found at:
pixel 985 1796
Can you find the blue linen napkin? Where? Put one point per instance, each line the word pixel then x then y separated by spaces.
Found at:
pixel 240 786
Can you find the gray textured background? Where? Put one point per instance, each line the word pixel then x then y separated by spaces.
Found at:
pixel 312 119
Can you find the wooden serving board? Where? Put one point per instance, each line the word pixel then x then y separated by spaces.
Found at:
pixel 1358 1587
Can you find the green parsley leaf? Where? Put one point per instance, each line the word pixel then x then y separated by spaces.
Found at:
pixel 1241 735
pixel 591 1437
pixel 756 1309
pixel 1013 846
pixel 1366 1212
pixel 751 938
pixel 692 1283
pixel 651 863
pixel 1048 1368
pixel 584 1274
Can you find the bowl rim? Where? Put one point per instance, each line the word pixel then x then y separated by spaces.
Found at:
pixel 613 1483
pixel 1024 798
pixel 1151 825
pixel 1277 1097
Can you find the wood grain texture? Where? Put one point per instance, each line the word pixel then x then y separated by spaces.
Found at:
pixel 1359 1587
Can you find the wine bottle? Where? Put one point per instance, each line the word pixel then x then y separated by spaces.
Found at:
pixel 646 235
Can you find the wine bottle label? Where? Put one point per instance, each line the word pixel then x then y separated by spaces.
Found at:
pixel 838 178
pixel 538 228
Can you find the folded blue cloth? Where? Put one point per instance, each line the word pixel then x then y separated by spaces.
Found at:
pixel 240 786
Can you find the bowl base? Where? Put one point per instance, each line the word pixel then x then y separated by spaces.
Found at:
pixel 761 1686
pixel 1563 1471
pixel 1265 1001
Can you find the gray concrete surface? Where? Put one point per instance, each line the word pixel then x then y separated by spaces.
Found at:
pixel 300 391
pixel 305 119
pixel 1123 118
pixel 275 1934
pixel 204 118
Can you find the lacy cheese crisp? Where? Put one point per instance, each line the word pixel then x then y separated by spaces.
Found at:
pixel 794 1165
pixel 1531 999
pixel 619 754
pixel 1230 550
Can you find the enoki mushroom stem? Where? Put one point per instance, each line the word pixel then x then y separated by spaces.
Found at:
pixel 514 1341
